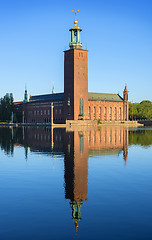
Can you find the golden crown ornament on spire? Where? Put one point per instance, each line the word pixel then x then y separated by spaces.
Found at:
pixel 75 34
pixel 75 21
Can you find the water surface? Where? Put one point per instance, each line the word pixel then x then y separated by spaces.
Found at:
pixel 76 183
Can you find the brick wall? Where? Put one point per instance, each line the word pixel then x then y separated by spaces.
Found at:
pixel 40 112
pixel 106 111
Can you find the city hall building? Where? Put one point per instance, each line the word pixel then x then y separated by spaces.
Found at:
pixel 75 103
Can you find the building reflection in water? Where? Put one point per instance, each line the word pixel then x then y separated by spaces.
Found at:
pixel 77 146
pixel 81 145
pixel 107 141
pixel 76 172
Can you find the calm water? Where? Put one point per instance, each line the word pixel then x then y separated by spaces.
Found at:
pixel 86 184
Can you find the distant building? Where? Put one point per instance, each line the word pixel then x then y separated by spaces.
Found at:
pixel 18 106
pixel 75 103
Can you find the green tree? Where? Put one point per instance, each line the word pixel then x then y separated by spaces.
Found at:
pixel 140 137
pixel 142 110
pixel 6 107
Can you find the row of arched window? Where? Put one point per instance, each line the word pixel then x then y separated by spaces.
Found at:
pixel 114 137
pixel 114 114
pixel 44 112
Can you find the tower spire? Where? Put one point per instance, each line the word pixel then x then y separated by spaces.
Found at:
pixel 75 21
pixel 75 34
pixel 53 88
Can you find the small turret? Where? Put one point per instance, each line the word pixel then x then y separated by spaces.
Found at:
pixel 125 93
pixel 25 96
pixel 126 104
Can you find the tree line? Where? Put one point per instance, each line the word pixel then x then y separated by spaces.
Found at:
pixel 8 137
pixel 6 107
pixel 142 110
pixel 7 110
pixel 140 137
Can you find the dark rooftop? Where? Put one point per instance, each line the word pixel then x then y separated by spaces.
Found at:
pixel 47 97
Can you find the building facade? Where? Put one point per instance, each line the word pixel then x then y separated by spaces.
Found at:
pixel 75 103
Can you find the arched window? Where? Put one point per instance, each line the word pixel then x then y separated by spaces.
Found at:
pixel 105 113
pixel 110 113
pixel 115 136
pixel 110 137
pixel 81 143
pixel 94 112
pixel 81 103
pixel 115 113
pixel 100 112
pixel 80 107
pixel 89 112
pixel 120 113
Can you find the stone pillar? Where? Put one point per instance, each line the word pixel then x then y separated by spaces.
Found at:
pixel 78 36
pixel 52 142
pixel 72 36
pixel 52 114
pixel 23 117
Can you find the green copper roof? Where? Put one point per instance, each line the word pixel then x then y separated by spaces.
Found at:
pixel 102 152
pixel 104 97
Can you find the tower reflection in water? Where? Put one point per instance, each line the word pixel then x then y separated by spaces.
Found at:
pixel 76 172
pixel 77 146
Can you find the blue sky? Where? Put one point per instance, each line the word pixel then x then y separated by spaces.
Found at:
pixel 117 34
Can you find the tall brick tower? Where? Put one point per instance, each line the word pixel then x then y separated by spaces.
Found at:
pixel 75 78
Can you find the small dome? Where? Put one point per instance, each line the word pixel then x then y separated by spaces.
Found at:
pixel 75 23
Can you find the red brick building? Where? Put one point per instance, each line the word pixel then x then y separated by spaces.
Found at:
pixel 76 103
